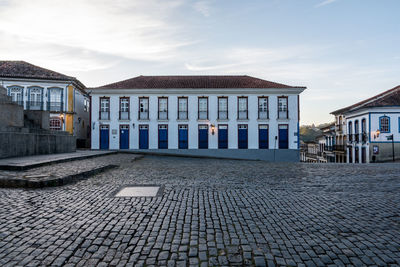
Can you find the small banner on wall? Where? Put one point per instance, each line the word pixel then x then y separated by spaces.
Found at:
pixel 376 150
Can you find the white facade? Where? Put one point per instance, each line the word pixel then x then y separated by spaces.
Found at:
pixel 252 122
pixel 369 139
pixel 53 96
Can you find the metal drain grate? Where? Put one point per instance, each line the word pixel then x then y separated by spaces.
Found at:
pixel 138 191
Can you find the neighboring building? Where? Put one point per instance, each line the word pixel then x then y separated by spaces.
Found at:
pixel 220 116
pixel 373 128
pixel 312 151
pixel 328 133
pixel 340 139
pixel 36 88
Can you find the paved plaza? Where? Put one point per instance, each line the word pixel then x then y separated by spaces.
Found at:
pixel 209 212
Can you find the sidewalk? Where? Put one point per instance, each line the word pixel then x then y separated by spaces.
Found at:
pixel 25 163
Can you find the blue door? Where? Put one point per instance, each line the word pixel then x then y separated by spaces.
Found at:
pixel 242 136
pixel 183 137
pixel 124 137
pixel 104 137
pixel 143 137
pixel 162 136
pixel 203 136
pixel 283 137
pixel 263 137
pixel 222 136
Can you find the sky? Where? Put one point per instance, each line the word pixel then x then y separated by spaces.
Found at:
pixel 343 51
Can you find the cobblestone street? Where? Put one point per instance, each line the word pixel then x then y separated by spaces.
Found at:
pixel 211 212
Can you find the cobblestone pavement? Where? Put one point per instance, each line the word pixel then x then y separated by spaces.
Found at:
pixel 211 212
pixel 64 169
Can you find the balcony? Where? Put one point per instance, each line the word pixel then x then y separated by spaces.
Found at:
pixel 340 148
pixel 55 106
pixel 328 148
pixel 364 137
pixel 34 105
pixel 339 128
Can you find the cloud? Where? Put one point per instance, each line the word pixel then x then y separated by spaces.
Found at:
pixel 326 2
pixel 91 32
pixel 203 7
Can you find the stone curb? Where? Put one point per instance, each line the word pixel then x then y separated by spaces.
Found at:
pixel 34 165
pixel 22 183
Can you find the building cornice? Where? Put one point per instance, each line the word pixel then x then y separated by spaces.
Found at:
pixel 197 91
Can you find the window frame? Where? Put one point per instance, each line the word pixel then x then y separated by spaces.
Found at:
pixel 159 111
pixel 227 107
pixel 247 107
pixel 287 106
pixel 55 119
pixel 109 107
pixel 198 107
pixel 258 107
pixel 148 108
pixel 380 124
pixel 120 106
pixel 187 107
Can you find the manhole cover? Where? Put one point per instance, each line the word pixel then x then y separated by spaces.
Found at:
pixel 138 191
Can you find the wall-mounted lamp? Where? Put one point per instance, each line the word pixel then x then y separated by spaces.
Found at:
pixel 94 125
pixel 377 133
pixel 133 125
pixel 62 118
pixel 79 119
pixel 212 129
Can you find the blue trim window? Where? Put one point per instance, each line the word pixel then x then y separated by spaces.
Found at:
pixel 384 124
pixel 399 124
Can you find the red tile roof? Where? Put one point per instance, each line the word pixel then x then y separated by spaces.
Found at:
pixel 390 97
pixel 22 69
pixel 169 82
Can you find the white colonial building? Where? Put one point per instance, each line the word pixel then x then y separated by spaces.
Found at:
pixel 36 88
pixel 219 116
pixel 373 128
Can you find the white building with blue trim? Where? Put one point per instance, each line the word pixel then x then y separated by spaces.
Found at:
pixel 64 97
pixel 215 116
pixel 373 128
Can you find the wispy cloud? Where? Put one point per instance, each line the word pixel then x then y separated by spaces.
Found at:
pixel 203 6
pixel 90 32
pixel 326 2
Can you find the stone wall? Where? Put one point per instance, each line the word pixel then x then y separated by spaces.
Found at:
pixel 385 152
pixel 17 142
pixel 11 114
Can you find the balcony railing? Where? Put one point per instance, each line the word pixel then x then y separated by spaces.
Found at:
pixel 339 148
pixel 364 137
pixel 55 106
pixel 34 105
pixel 356 138
pixel 328 148
pixel 19 102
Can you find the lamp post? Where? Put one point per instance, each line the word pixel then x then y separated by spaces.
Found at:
pixel 391 137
